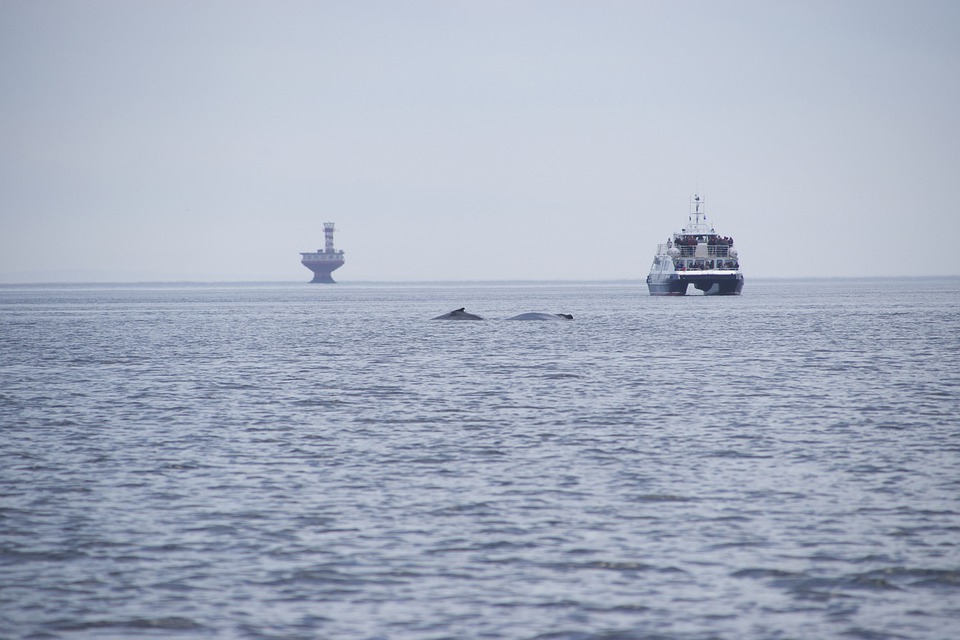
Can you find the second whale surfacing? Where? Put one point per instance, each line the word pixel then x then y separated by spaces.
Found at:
pixel 542 316
pixel 458 314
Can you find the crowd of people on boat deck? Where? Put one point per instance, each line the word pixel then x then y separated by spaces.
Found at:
pixel 702 265
pixel 692 241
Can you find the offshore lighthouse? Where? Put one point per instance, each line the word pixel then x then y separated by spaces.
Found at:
pixel 323 263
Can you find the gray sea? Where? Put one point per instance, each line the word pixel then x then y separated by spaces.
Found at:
pixel 309 461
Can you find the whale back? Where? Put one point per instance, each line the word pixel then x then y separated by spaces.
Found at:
pixel 458 314
pixel 542 316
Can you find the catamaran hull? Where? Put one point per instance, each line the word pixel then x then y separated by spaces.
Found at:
pixel 676 284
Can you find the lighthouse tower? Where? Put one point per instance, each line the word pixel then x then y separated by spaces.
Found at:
pixel 323 263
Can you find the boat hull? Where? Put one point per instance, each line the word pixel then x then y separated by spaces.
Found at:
pixel 712 284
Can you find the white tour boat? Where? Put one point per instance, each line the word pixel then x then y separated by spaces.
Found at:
pixel 696 256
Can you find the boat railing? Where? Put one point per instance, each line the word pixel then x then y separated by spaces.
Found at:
pixel 713 250
pixel 706 265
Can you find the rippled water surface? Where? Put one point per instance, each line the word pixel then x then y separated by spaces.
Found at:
pixel 296 461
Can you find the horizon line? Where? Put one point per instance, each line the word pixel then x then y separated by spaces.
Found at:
pixel 461 281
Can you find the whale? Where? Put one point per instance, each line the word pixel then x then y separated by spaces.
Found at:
pixel 458 314
pixel 542 316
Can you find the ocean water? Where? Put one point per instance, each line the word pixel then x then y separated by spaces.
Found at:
pixel 297 461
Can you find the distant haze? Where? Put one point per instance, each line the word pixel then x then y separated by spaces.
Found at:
pixel 478 140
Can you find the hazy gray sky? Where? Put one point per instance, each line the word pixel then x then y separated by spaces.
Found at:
pixel 209 140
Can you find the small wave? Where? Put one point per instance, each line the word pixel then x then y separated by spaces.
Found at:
pixel 618 566
pixel 12 556
pixel 820 588
pixel 661 497
pixel 869 634
pixel 171 623
pixel 461 509
pixel 912 577
pixel 761 573
pixel 732 453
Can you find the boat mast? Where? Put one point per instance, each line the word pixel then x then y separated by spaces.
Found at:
pixel 698 211
pixel 695 206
